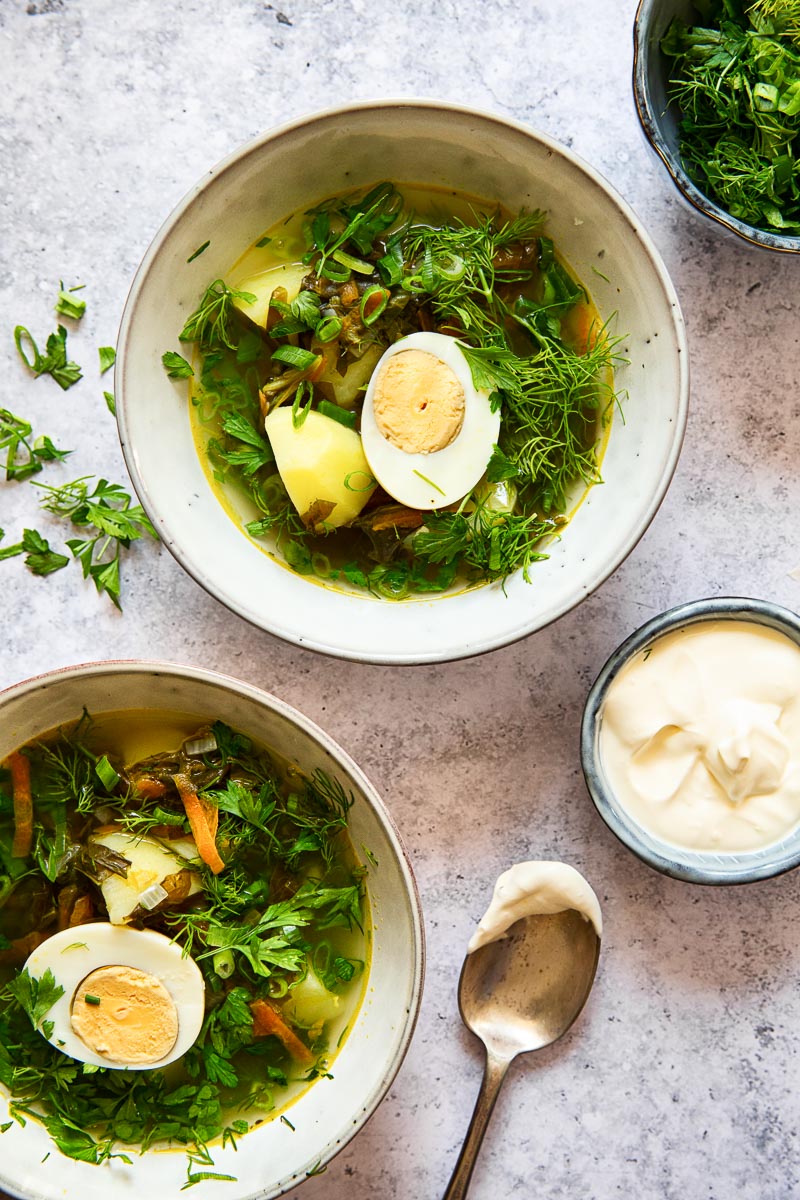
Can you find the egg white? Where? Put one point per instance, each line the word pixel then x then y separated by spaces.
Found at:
pixel 428 481
pixel 74 953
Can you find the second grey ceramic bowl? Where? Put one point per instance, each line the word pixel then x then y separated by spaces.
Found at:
pixel 659 119
pixel 693 866
pixel 276 1156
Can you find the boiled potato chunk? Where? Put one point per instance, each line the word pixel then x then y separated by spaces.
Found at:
pixel 288 276
pixel 151 862
pixel 309 1002
pixel 349 387
pixel 321 462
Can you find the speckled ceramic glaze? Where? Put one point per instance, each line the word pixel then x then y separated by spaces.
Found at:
pixel 660 120
pixel 273 1158
pixel 447 147
pixel 680 863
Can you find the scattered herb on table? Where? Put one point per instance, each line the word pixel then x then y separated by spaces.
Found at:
pixel 111 521
pixel 67 305
pixel 107 356
pixel 25 455
pixel 39 558
pixel 736 81
pixel 54 362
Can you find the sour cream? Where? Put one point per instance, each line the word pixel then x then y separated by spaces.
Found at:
pixel 535 889
pixel 700 736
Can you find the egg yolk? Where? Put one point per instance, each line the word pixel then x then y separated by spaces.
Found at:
pixel 125 1015
pixel 418 402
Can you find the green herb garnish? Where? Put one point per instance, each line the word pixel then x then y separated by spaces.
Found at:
pixel 53 362
pixel 67 305
pixel 39 558
pixel 112 523
pixel 176 365
pixel 25 455
pixel 107 356
pixel 200 250
pixel 736 81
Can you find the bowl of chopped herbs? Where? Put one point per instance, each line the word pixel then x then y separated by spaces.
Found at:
pixel 413 399
pixel 144 804
pixel 717 89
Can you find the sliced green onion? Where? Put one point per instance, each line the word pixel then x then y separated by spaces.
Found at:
pixel 353 264
pixel 301 406
pixel 106 773
pixel 373 302
pixel 342 415
pixel 328 329
pixel 93 1000
pixel 336 274
pixel 371 481
pixel 295 356
pixel 321 564
pixel 322 959
pixel 277 988
pixel 392 584
pixel 451 267
pixel 223 963
pixel 168 818
pixel 391 266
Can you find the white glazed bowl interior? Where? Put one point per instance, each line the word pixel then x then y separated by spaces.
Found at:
pixel 271 1158
pixel 415 142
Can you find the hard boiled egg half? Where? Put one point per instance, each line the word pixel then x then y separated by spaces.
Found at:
pixel 131 998
pixel 427 431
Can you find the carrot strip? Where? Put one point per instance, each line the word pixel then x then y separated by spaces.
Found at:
pixel 266 1021
pixel 149 789
pixel 204 819
pixel 20 769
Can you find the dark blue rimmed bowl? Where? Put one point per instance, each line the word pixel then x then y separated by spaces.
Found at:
pixel 693 866
pixel 659 119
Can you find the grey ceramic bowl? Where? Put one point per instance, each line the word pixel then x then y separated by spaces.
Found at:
pixel 692 866
pixel 446 147
pixel 276 1156
pixel 660 120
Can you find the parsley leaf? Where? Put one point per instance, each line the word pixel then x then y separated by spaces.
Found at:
pixel 39 558
pixel 24 457
pixel 107 356
pixel 54 362
pixel 109 511
pixel 176 365
pixel 36 996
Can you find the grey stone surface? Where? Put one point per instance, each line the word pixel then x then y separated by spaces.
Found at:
pixel 680 1079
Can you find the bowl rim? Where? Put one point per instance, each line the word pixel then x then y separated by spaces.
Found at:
pixel 391 656
pixel 648 119
pixel 689 866
pixel 140 666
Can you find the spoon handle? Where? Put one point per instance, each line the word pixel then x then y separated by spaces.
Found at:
pixel 494 1073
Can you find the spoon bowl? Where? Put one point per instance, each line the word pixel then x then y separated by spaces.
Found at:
pixel 519 994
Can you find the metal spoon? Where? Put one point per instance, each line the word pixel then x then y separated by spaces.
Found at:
pixel 518 994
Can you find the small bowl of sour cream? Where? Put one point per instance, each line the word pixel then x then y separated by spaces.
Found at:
pixel 690 741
